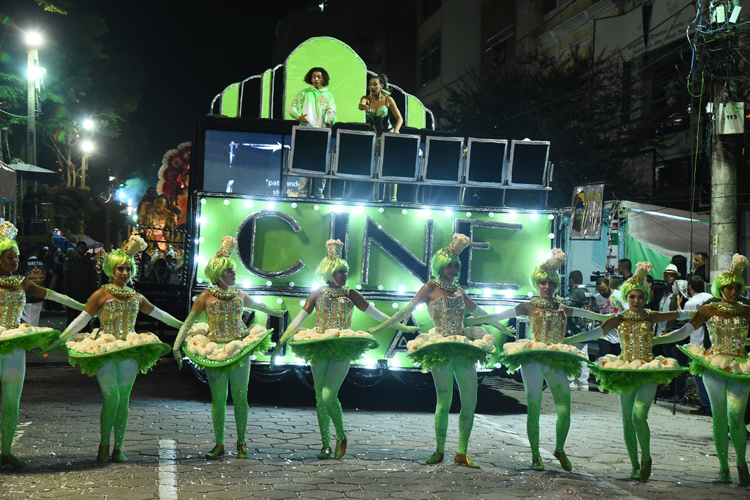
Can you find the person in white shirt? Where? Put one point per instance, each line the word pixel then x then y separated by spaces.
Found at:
pixel 610 344
pixel 670 276
pixel 698 297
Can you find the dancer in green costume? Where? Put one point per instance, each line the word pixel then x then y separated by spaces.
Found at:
pixel 114 352
pixel 330 357
pixel 636 382
pixel 223 305
pixel 727 384
pixel 554 363
pixel 447 303
pixel 14 341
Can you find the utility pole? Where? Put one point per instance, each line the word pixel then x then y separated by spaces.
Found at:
pixel 717 30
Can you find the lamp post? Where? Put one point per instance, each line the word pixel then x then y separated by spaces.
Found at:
pixel 33 40
pixel 87 147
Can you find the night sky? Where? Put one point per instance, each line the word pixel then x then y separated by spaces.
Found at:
pixel 189 53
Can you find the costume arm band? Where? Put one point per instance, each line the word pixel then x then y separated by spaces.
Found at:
pixel 585 336
pixel 294 326
pixel 401 315
pixel 675 336
pixel 184 329
pixel 479 312
pixel 165 318
pixel 586 314
pixel 378 315
pixel 73 328
pixel 64 300
pixel 686 315
pixel 490 318
pixel 249 303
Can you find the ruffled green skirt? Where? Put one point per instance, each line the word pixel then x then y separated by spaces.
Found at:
pixel 146 355
pixel 442 354
pixel 239 360
pixel 28 342
pixel 340 348
pixel 621 381
pixel 699 365
pixel 568 363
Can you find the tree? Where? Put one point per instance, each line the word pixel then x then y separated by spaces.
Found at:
pixel 81 82
pixel 576 102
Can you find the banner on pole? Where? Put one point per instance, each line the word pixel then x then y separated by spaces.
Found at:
pixel 587 212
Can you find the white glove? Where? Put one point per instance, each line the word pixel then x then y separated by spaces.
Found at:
pixel 677 335
pixel 165 318
pixel 64 300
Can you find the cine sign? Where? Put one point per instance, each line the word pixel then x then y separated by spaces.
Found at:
pixel 387 248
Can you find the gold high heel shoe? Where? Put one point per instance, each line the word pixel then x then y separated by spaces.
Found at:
pixel 102 454
pixel 340 448
pixel 465 459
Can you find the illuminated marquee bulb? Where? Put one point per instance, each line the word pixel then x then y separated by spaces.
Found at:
pixel 394 305
pixel 291 283
pixel 302 302
pixel 202 221
pixel 530 294
pixel 199 280
pixel 316 207
pixel 248 203
pixel 279 301
pixel 491 214
pixel 359 287
pixel 468 214
pixel 404 211
pixel 401 289
pixel 449 213
pixel 315 285
pixel 203 201
pixel 271 205
pixel 246 283
pixel 551 236
pixel 534 216
pixel 551 217
pixel 358 210
pixel 226 202
pixel 294 205
pixel 268 283
pixel 201 239
pixel 486 292
pixel 381 210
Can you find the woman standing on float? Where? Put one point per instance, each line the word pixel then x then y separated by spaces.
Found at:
pixel 554 362
pixel 15 341
pixel 725 367
pixel 447 303
pixel 234 344
pixel 330 355
pixel 114 353
pixel 636 373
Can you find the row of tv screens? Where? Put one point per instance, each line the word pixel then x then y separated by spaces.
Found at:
pixel 256 162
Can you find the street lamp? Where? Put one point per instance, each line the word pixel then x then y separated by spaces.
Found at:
pixel 87 147
pixel 33 40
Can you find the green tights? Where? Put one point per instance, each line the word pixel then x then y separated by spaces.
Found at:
pixel 466 378
pixel 219 382
pixel 728 403
pixel 328 375
pixel 116 379
pixel 534 375
pixel 634 408
pixel 13 370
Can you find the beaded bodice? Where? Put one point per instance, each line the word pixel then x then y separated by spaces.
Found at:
pixel 548 325
pixel 11 305
pixel 117 317
pixel 636 340
pixel 334 311
pixel 447 313
pixel 728 335
pixel 224 319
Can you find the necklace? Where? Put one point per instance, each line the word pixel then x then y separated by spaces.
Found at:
pixel 222 294
pixel 120 292
pixel 727 308
pixel 542 303
pixel 448 286
pixel 336 293
pixel 635 316
pixel 11 281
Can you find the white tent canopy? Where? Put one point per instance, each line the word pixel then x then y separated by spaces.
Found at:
pixel 666 230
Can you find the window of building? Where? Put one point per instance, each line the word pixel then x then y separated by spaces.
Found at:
pixel 429 62
pixel 429 7
pixel 497 50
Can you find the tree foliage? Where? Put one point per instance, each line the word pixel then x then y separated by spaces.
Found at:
pixel 81 82
pixel 576 102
